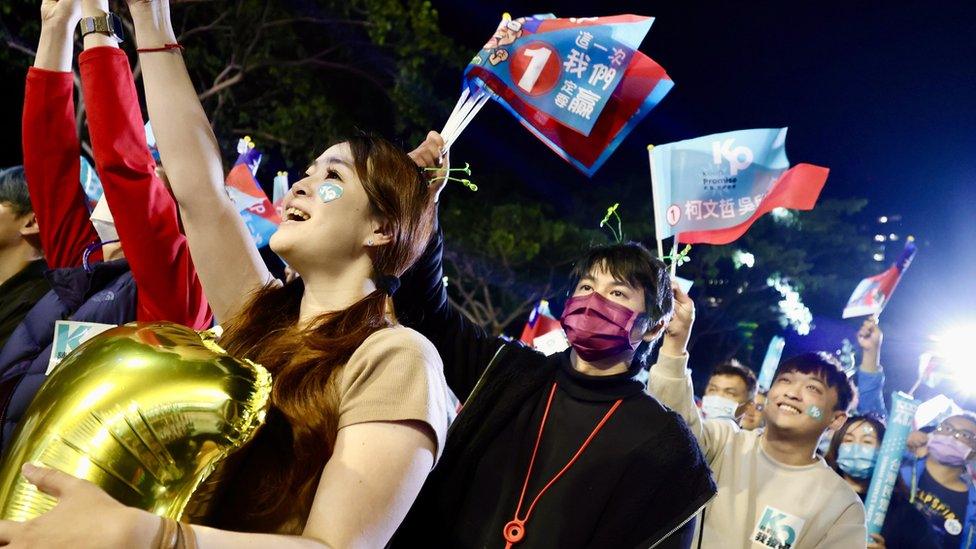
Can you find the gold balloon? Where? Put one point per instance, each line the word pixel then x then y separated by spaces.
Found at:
pixel 145 411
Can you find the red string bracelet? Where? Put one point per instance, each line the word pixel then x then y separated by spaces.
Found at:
pixel 164 47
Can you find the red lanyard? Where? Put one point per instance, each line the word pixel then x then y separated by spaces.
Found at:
pixel 514 531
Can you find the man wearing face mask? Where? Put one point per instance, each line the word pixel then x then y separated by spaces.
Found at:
pixel 940 485
pixel 560 451
pixel 730 390
pixel 774 490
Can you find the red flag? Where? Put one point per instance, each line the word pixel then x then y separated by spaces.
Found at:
pixel 543 331
pixel 797 188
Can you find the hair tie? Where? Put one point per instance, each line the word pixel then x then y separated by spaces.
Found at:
pixel 388 283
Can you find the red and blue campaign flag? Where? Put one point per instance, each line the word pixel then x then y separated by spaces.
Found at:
pixel 578 84
pixel 873 293
pixel 711 189
pixel 252 203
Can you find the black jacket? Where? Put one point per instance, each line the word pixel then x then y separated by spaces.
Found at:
pixel 658 488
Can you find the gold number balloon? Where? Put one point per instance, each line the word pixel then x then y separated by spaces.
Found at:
pixel 145 411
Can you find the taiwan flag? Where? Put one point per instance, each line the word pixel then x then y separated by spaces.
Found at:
pixel 873 293
pixel 543 331
pixel 711 189
pixel 243 188
pixel 578 84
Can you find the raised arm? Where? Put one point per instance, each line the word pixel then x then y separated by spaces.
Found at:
pixel 51 149
pixel 670 380
pixel 144 213
pixel 228 264
pixel 422 304
pixel 870 376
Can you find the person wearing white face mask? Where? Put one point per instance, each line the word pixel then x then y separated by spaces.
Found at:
pixel 853 453
pixel 731 387
pixel 773 489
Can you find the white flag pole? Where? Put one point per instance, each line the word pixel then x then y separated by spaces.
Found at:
pixel 654 197
pixel 674 256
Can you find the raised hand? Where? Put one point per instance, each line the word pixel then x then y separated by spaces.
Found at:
pixel 67 12
pixel 869 336
pixel 678 330
pixel 431 154
pixel 56 44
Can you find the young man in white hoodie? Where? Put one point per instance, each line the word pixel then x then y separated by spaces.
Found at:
pixel 773 489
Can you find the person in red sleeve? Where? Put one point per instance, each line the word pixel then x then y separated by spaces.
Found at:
pixel 151 276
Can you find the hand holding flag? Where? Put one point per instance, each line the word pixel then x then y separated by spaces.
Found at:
pixel 873 293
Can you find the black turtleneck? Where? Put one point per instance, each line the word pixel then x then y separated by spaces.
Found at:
pixel 601 500
pixel 641 477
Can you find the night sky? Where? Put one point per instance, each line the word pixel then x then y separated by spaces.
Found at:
pixel 881 93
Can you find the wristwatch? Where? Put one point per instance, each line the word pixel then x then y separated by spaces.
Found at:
pixel 109 24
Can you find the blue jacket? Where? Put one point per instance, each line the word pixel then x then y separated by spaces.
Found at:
pixel 106 295
pixel 870 389
pixel 911 472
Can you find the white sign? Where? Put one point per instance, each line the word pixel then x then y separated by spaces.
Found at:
pixel 68 335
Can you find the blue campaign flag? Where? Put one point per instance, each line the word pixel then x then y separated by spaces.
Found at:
pixel 710 189
pixel 565 68
pixel 579 84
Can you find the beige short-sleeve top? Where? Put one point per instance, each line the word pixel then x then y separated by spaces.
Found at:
pixel 396 375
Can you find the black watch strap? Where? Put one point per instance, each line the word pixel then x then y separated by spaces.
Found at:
pixel 109 24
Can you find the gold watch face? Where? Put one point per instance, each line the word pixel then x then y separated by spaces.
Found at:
pixel 101 24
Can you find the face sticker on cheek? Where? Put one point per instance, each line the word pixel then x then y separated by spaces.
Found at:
pixel 815 412
pixel 329 192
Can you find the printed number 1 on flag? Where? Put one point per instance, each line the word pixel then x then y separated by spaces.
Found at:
pixel 538 57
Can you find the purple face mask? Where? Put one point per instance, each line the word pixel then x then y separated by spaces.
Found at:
pixel 598 328
pixel 948 451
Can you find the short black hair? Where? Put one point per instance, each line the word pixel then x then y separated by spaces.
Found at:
pixel 965 414
pixel 827 367
pixel 735 368
pixel 13 190
pixel 632 263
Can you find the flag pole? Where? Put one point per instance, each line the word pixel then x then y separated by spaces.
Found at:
pixel 654 197
pixel 674 255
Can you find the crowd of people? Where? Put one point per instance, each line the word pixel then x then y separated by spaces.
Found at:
pixel 394 420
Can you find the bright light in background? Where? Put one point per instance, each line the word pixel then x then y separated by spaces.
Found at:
pixel 782 215
pixel 792 310
pixel 883 219
pixel 878 257
pixel 954 348
pixel 742 258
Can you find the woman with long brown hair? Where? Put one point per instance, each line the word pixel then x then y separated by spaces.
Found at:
pixel 359 406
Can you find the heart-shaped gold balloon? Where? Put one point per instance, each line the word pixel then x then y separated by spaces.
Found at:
pixel 146 411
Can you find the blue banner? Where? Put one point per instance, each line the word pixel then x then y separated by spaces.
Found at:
pixel 771 361
pixel 903 408
pixel 716 181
